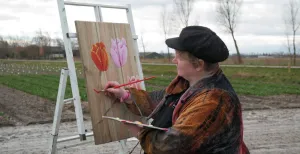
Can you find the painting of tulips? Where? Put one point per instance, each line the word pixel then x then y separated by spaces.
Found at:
pixel 107 54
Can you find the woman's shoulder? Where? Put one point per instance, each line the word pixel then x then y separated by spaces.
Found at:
pixel 212 92
pixel 212 96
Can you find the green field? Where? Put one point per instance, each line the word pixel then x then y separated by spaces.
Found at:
pixel 41 78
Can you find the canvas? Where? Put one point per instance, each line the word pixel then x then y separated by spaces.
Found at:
pixel 107 54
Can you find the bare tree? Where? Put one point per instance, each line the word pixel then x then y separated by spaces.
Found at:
pixel 42 38
pixel 292 25
pixel 59 42
pixel 227 12
pixel 3 43
pixel 24 41
pixel 4 53
pixel 14 44
pixel 184 9
pixel 166 24
pixel 288 45
pixel 74 44
pixel 13 41
pixel 17 41
pixel 143 43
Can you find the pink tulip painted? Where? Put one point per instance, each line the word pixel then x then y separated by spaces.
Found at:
pixel 119 51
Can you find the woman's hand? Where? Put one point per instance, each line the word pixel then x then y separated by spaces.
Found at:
pixel 134 129
pixel 119 93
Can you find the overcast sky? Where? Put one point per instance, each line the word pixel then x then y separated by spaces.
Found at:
pixel 260 29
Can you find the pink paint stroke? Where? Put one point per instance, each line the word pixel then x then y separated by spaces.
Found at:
pixel 119 51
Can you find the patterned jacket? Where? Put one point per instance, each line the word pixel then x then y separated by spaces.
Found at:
pixel 207 118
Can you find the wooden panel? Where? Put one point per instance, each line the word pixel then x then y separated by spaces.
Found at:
pixel 90 33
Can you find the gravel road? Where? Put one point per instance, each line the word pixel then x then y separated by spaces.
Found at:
pixel 273 131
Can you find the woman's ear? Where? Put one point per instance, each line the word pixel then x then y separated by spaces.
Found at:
pixel 200 65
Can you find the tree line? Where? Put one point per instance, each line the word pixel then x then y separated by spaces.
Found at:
pixel 40 46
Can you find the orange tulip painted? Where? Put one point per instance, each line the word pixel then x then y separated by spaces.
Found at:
pixel 99 56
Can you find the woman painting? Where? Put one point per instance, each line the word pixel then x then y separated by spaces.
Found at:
pixel 199 107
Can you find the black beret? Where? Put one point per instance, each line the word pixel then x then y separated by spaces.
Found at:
pixel 201 42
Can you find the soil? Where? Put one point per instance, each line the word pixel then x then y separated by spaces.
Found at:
pixel 20 108
pixel 272 124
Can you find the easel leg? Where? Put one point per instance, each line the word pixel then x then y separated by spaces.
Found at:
pixel 58 110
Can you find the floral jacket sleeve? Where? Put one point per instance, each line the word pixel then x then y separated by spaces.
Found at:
pixel 144 103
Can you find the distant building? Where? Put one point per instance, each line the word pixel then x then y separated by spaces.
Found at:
pixel 55 52
pixel 265 56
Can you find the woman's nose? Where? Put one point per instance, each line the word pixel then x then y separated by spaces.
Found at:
pixel 174 60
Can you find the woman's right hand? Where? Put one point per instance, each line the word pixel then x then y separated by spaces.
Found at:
pixel 112 92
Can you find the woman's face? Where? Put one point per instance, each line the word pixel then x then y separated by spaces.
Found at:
pixel 185 68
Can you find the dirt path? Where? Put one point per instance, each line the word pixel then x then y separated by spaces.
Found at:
pixel 266 131
pixel 273 131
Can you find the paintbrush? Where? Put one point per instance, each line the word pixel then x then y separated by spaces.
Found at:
pixel 126 84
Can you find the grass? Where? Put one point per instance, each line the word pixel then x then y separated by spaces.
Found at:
pixel 41 85
pixel 246 81
pixel 264 81
pixel 232 61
